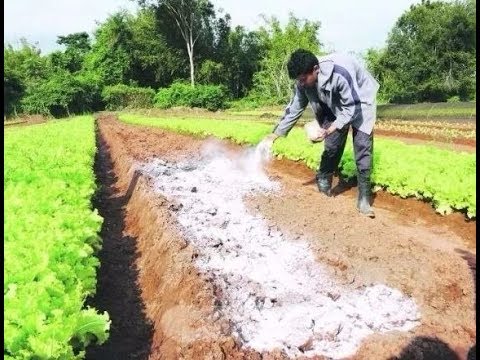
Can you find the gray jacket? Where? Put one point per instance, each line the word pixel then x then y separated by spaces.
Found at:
pixel 345 93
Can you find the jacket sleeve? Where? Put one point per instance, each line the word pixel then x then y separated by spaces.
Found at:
pixel 349 101
pixel 293 111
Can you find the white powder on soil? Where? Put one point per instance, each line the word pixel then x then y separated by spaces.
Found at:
pixel 272 289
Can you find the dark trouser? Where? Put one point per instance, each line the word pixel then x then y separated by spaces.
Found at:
pixel 334 145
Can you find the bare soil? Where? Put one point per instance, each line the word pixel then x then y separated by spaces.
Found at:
pixel 161 307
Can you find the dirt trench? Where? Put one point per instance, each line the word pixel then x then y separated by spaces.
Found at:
pixel 163 308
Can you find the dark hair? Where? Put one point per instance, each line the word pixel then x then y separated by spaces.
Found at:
pixel 301 62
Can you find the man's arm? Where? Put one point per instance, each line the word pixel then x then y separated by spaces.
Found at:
pixel 293 111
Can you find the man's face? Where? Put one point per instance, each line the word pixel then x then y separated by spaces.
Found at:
pixel 308 79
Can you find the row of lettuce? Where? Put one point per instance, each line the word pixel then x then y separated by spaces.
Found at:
pixel 50 241
pixel 444 178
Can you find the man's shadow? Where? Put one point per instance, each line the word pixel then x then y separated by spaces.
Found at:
pixel 429 348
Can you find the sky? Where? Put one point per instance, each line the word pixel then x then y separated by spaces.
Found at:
pixel 346 25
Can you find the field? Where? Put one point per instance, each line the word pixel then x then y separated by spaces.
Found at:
pixel 451 126
pixel 207 252
pixel 445 111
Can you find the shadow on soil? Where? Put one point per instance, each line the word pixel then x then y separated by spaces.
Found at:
pixel 427 348
pixel 117 289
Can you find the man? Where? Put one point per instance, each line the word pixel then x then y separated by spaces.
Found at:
pixel 341 93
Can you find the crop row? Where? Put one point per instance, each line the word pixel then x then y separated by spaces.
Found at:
pixel 50 241
pixel 414 128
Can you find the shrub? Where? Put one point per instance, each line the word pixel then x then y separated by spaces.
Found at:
pixel 120 96
pixel 211 97
pixel 453 99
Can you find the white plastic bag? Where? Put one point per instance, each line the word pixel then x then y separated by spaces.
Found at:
pixel 314 132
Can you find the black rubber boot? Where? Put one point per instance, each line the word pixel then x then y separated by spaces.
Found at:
pixel 324 183
pixel 364 195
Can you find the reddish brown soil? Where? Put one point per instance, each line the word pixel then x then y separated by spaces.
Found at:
pixel 117 292
pixel 161 308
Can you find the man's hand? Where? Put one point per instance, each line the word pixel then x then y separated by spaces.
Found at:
pixel 325 133
pixel 330 130
pixel 264 147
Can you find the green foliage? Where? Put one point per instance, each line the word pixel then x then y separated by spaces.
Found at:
pixel 251 102
pixel 23 69
pixel 27 63
pixel 153 62
pixel 121 96
pixel 211 72
pixel 211 97
pixel 50 239
pixel 192 21
pixel 110 58
pixel 454 99
pixel 13 90
pixel 62 94
pixel 272 81
pixel 240 53
pixel 41 85
pixel 145 50
pixel 430 54
pixel 77 46
pixel 52 96
pixel 445 178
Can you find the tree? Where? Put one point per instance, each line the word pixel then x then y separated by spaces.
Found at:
pixel 211 72
pixel 13 90
pixel 237 54
pixel 272 81
pixel 52 96
pixel 111 55
pixel 191 18
pixel 430 54
pixel 153 62
pixel 24 68
pixel 77 45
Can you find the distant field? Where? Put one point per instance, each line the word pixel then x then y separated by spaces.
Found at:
pixel 447 111
pixel 461 110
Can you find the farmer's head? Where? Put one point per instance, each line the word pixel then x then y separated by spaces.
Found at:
pixel 303 66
